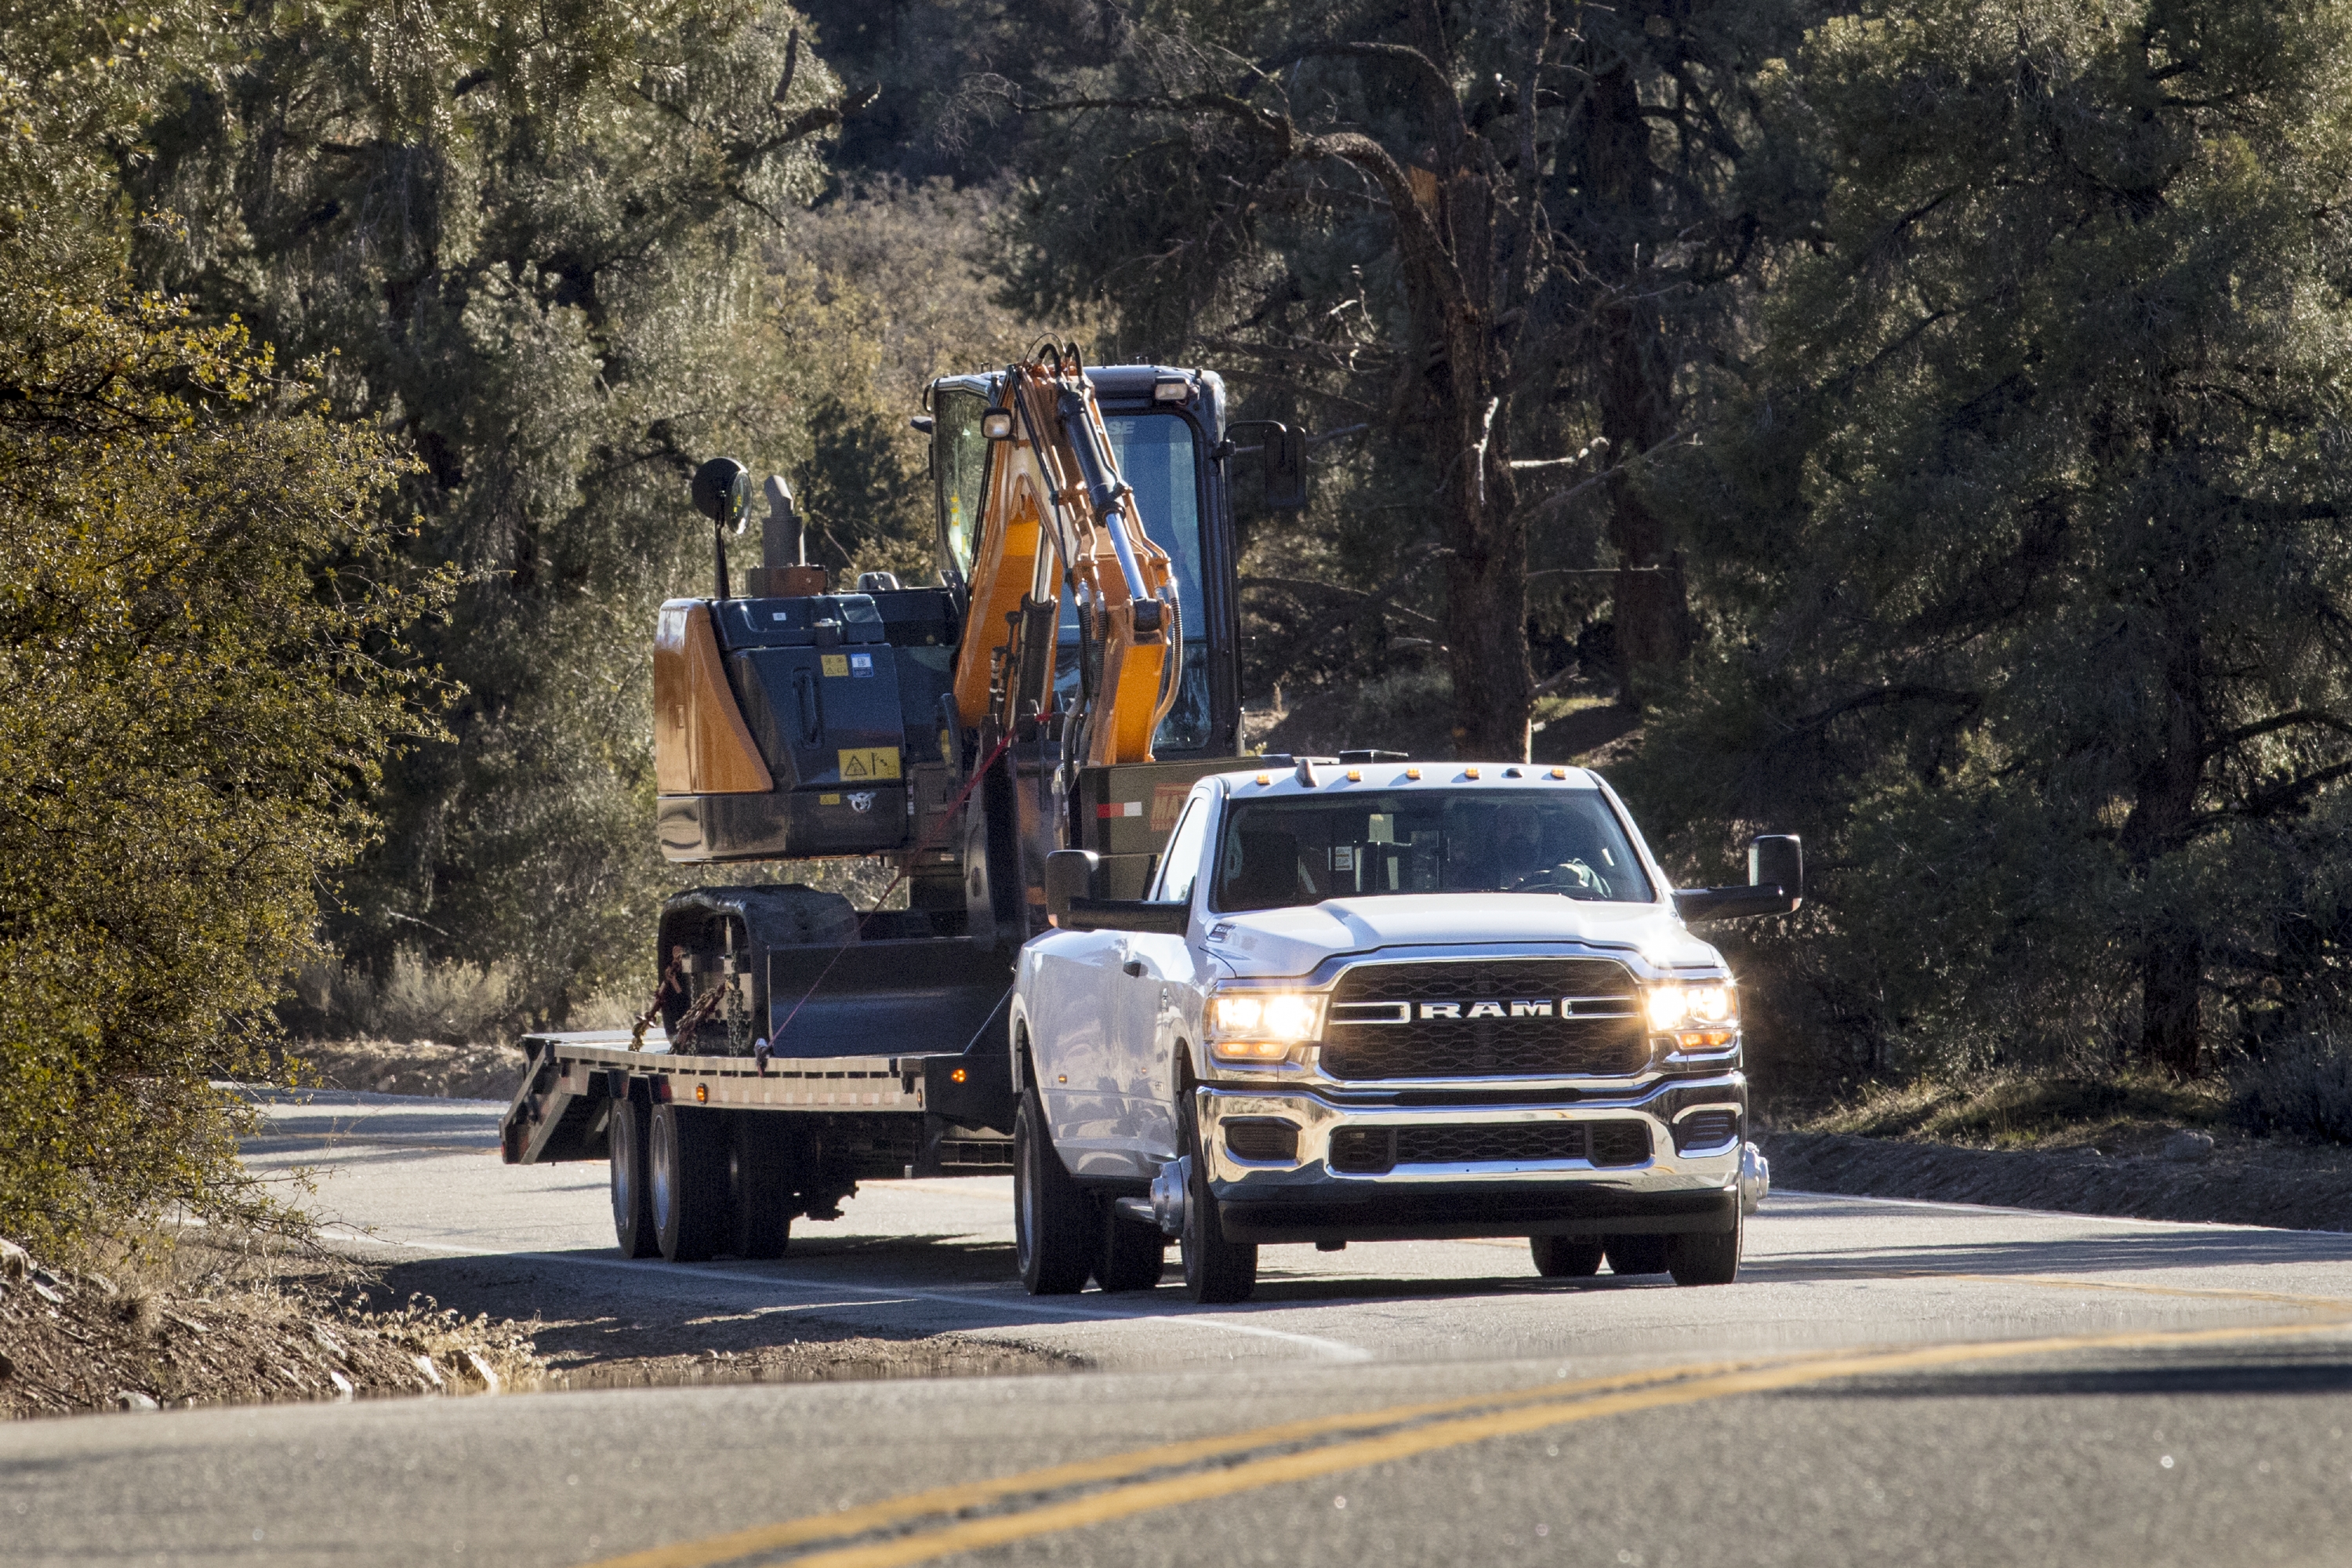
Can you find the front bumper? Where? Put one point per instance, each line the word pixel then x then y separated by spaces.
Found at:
pixel 1693 1186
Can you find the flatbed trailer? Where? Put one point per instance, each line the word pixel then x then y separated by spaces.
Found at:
pixel 880 1117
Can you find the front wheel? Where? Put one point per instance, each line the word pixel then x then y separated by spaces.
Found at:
pixel 1052 1241
pixel 1704 1258
pixel 1215 1269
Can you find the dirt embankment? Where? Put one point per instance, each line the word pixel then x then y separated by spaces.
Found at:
pixel 207 1327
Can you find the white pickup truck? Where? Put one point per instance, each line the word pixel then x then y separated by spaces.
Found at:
pixel 1382 1000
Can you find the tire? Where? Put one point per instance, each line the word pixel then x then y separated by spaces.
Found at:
pixel 633 1204
pixel 687 1158
pixel 1706 1258
pixel 1566 1257
pixel 1636 1254
pixel 1215 1269
pixel 1133 1254
pixel 1053 1238
pixel 759 1168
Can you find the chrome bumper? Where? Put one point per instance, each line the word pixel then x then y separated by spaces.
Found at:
pixel 1699 1188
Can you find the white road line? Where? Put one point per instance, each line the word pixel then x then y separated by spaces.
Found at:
pixel 1328 1349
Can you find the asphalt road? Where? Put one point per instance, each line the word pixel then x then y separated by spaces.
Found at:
pixel 1889 1383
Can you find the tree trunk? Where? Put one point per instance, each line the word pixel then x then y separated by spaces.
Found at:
pixel 2161 820
pixel 1635 387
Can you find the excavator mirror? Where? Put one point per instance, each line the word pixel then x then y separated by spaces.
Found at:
pixel 722 492
pixel 1284 458
pixel 997 424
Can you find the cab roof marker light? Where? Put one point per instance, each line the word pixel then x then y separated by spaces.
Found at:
pixel 1414 773
pixel 1469 773
pixel 1511 773
pixel 1265 778
pixel 1560 773
pixel 1355 775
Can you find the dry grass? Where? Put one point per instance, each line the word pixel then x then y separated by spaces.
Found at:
pixel 2127 1113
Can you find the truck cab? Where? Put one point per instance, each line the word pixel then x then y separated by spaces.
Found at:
pixel 1370 999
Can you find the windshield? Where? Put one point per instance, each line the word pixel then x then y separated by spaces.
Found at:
pixel 1304 850
pixel 1156 456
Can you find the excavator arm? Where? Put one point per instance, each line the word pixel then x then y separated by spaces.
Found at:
pixel 1056 510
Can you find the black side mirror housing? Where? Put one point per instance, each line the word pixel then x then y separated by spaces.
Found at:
pixel 1282 458
pixel 1125 914
pixel 1776 884
pixel 1069 874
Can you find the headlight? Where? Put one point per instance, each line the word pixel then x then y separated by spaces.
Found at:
pixel 1711 1007
pixel 1262 1026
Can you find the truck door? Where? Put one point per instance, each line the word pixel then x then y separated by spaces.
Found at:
pixel 1156 972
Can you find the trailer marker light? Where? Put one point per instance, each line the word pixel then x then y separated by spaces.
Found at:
pixel 956 1077
pixel 1120 808
pixel 701 1094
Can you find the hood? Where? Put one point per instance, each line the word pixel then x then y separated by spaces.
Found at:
pixel 1292 941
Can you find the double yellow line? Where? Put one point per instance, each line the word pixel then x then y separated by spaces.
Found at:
pixel 1414 1429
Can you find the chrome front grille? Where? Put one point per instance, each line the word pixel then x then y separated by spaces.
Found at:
pixel 1567 1017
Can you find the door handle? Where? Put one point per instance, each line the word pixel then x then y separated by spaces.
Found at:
pixel 1132 967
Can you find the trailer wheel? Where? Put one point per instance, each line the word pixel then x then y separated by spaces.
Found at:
pixel 1133 1254
pixel 760 1165
pixel 688 1162
pixel 633 1208
pixel 1215 1269
pixel 1566 1257
pixel 1702 1257
pixel 1051 1238
pixel 1636 1254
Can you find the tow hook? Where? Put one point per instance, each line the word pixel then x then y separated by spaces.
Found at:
pixel 1755 1178
pixel 1168 1189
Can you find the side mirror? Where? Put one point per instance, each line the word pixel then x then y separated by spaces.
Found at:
pixel 1069 874
pixel 1776 884
pixel 1778 860
pixel 722 492
pixel 1284 458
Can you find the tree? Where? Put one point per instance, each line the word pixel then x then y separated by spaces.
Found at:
pixel 532 242
pixel 2033 514
pixel 200 666
pixel 1465 227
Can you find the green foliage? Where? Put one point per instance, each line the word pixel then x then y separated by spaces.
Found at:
pixel 533 240
pixel 198 678
pixel 2026 533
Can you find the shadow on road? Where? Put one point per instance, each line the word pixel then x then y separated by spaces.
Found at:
pixel 2252 1374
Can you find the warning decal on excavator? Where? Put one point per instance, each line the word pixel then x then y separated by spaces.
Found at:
pixel 837 664
pixel 864 762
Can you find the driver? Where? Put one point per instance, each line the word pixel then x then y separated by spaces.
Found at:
pixel 1518 846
